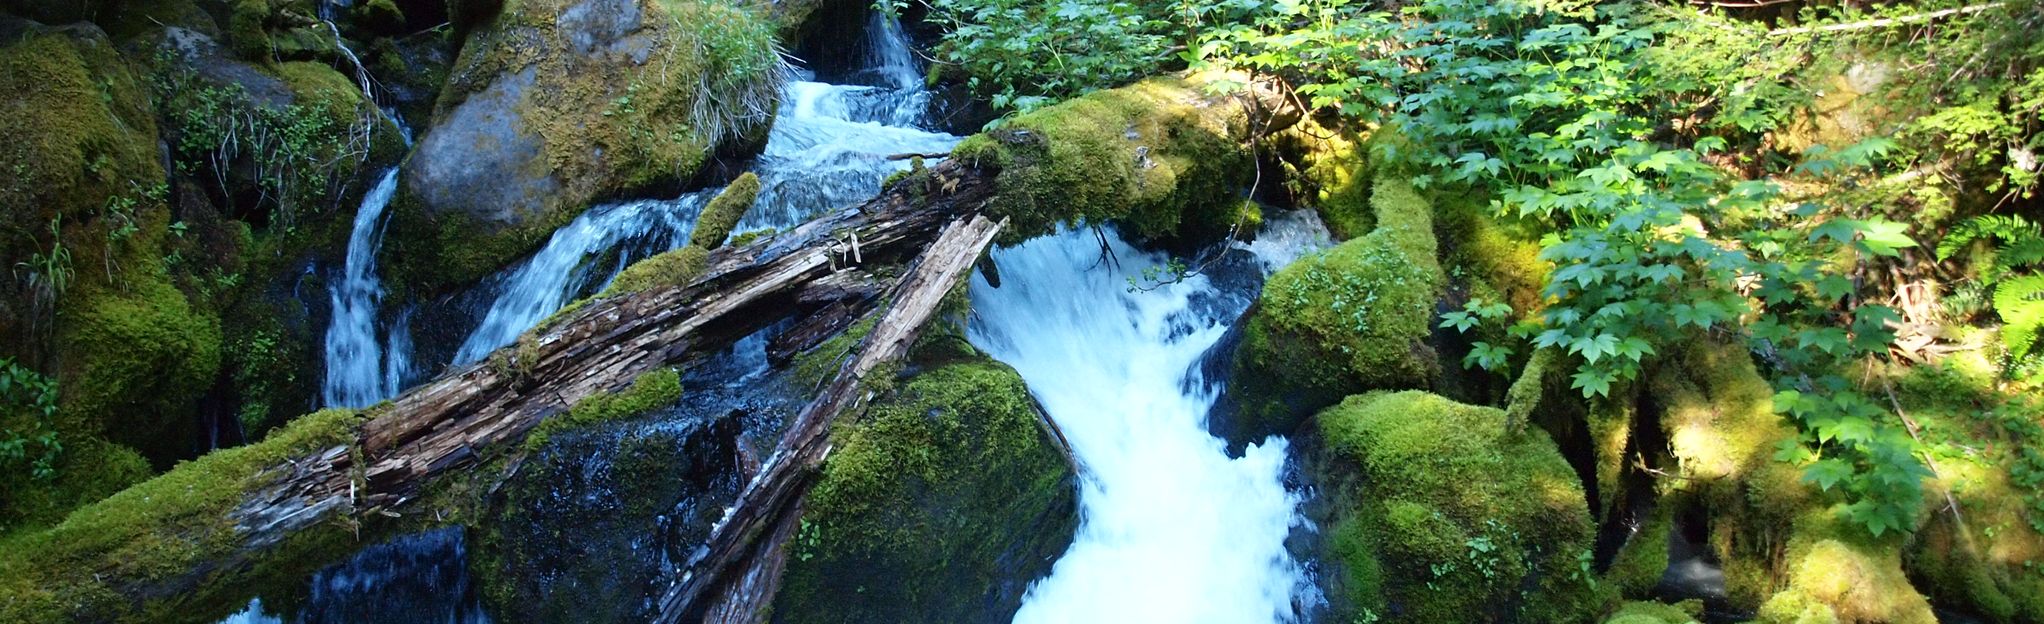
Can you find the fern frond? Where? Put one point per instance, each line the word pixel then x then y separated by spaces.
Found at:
pixel 2011 228
pixel 2020 302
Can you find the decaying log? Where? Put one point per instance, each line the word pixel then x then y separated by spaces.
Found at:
pixel 768 500
pixel 477 412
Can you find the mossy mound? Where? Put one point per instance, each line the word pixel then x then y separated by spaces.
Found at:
pixel 1643 559
pixel 941 505
pixel 140 362
pixel 1454 519
pixel 1154 156
pixel 1651 613
pixel 1350 319
pixel 1836 573
pixel 157 532
pixel 557 104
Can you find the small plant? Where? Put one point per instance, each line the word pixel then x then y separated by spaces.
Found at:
pixel 2018 289
pixel 29 401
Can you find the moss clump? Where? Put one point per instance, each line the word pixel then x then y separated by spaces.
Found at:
pixel 673 268
pixel 939 506
pixel 1153 156
pixel 816 366
pixel 1644 558
pixel 1329 170
pixel 1460 520
pixel 724 211
pixel 155 532
pixel 142 360
pixel 1836 574
pixel 1651 613
pixel 1350 319
pixel 1492 259
pixel 652 390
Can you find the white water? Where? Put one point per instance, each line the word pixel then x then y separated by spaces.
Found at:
pixel 357 372
pixel 827 151
pixel 1171 528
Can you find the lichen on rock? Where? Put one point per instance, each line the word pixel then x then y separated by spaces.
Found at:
pixel 556 104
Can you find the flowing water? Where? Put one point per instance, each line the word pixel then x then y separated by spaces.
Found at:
pixel 828 150
pixel 1172 529
pixel 358 373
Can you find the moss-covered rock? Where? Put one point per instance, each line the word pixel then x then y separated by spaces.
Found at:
pixel 1350 319
pixel 1328 169
pixel 137 362
pixel 556 104
pixel 1643 559
pixel 1454 519
pixel 941 505
pixel 1155 156
pixel 1836 573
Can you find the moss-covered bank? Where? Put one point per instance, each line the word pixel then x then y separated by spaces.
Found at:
pixel 1350 319
pixel 941 505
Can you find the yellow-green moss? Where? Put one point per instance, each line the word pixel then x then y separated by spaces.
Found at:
pixel 673 268
pixel 724 211
pixel 1330 170
pixel 138 363
pixel 1466 522
pixel 155 532
pixel 815 367
pixel 1644 557
pixel 1835 574
pixel 1349 319
pixel 938 506
pixel 652 390
pixel 1650 613
pixel 1154 156
pixel 1491 258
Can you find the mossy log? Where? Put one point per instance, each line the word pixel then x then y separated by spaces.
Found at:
pixel 767 502
pixel 390 454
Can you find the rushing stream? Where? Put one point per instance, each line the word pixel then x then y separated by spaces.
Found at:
pixel 1172 529
pixel 828 149
pixel 359 371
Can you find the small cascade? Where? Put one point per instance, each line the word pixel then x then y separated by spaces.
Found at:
pixel 1172 529
pixel 570 265
pixel 829 150
pixel 355 367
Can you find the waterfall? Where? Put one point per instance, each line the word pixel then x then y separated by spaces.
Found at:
pixel 568 263
pixel 355 367
pixel 1171 528
pixel 828 150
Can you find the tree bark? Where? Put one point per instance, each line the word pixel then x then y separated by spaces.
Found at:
pixel 770 499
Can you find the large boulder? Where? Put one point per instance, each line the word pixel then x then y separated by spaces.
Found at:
pixel 1443 515
pixel 1346 320
pixel 941 505
pixel 556 104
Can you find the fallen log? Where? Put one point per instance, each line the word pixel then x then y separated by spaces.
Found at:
pixel 768 500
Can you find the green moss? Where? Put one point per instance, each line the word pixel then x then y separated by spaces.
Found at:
pixel 1349 319
pixel 1650 613
pixel 651 391
pixel 1644 557
pixel 1466 522
pixel 247 29
pixel 1150 155
pixel 939 506
pixel 1491 258
pixel 815 367
pixel 748 237
pixel 724 211
pixel 1330 169
pixel 1836 574
pixel 673 268
pixel 138 362
pixel 157 531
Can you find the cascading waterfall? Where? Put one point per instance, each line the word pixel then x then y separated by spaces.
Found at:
pixel 828 150
pixel 1172 529
pixel 357 372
